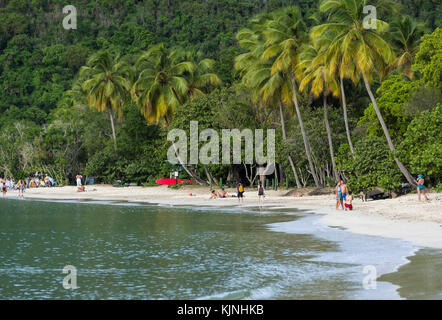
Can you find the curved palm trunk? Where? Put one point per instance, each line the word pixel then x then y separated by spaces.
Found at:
pixel 284 136
pixel 344 106
pixel 190 172
pixel 330 142
pixel 386 133
pixel 304 136
pixel 114 137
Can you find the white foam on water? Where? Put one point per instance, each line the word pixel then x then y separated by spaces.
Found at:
pixel 356 250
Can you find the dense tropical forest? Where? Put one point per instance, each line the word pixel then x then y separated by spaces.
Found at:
pixel 346 101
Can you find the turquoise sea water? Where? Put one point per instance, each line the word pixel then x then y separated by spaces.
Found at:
pixel 137 251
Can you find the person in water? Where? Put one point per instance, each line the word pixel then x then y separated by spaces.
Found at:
pixel 420 187
pixel 348 201
pixel 260 195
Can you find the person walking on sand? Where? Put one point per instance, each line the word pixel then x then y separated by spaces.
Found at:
pixel 4 188
pixel 260 195
pixel 240 189
pixel 348 201
pixel 420 187
pixel 21 188
pixel 338 192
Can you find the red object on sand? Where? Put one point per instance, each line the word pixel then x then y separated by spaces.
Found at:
pixel 172 181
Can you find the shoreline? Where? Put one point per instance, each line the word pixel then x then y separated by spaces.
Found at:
pixel 402 218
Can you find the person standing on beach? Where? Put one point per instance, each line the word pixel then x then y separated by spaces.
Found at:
pixel 348 201
pixel 260 195
pixel 420 187
pixel 338 192
pixel 21 188
pixel 240 189
pixel 4 188
pixel 79 177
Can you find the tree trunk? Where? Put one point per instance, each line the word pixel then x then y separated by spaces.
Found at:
pixel 304 136
pixel 192 174
pixel 284 137
pixel 344 106
pixel 209 175
pixel 330 142
pixel 402 168
pixel 114 137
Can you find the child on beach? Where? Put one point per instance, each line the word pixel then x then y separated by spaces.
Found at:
pixel 348 201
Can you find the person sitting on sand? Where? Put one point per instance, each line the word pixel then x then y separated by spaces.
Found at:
pixel 81 189
pixel 223 194
pixel 420 187
pixel 348 201
pixel 21 188
pixel 214 195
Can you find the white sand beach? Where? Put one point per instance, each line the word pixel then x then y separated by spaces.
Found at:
pixel 403 217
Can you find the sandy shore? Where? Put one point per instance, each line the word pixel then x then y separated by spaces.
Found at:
pixel 403 217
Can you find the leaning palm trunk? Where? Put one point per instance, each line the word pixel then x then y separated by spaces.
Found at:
pixel 304 136
pixel 386 133
pixel 344 106
pixel 192 174
pixel 114 137
pixel 330 142
pixel 284 136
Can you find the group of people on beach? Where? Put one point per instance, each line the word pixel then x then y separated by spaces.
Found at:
pixel 343 194
pixel 37 181
pixel 240 193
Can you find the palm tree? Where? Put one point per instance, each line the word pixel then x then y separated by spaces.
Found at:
pixel 316 72
pixel 342 66
pixel 405 36
pixel 167 80
pixel 162 84
pixel 284 36
pixel 268 89
pixel 202 79
pixel 107 84
pixel 366 48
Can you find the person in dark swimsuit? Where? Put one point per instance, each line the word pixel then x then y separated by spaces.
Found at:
pixel 260 195
pixel 4 188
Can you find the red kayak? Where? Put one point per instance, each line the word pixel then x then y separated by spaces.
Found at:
pixel 172 181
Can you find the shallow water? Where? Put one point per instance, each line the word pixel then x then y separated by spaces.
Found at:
pixel 134 251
